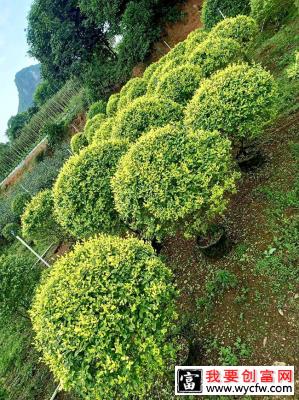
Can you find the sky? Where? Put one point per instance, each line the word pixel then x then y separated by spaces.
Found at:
pixel 13 55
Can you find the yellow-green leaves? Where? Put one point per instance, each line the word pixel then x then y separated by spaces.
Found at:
pixel 103 317
pixel 83 199
pixel 145 113
pixel 238 101
pixel 112 105
pixel 194 39
pixel 134 88
pixel 180 83
pixel 242 28
pixel 98 107
pixel 78 142
pixel 38 220
pixel 216 53
pixel 92 125
pixel 170 179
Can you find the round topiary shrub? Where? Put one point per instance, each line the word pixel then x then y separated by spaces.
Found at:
pixel 134 88
pixel 243 29
pixel 112 105
pixel 97 108
pixel 105 132
pixel 174 58
pixel 164 67
pixel 216 53
pixel 38 222
pixel 19 203
pixel 172 180
pixel 154 79
pixel 178 52
pixel 145 113
pixel 150 70
pixel 238 101
pixel 9 229
pixel 103 318
pixel 180 83
pixel 93 125
pixel 214 11
pixel 78 142
pixel 82 195
pixel 267 11
pixel 195 38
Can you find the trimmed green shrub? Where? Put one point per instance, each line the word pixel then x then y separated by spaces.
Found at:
pixel 155 77
pixel 195 38
pixel 242 28
pixel 97 108
pixel 8 229
pixel 180 83
pixel 105 132
pixel 19 203
pixel 267 11
pixel 164 67
pixel 55 132
pixel 174 58
pixel 145 113
pixel 212 9
pixel 178 52
pixel 238 101
pixel 18 279
pixel 82 195
pixel 38 222
pixel 112 104
pixel 134 88
pixel 216 53
pixel 171 180
pixel 150 70
pixel 93 125
pixel 104 316
pixel 78 142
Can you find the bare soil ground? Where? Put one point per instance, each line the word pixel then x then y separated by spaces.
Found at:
pixel 270 330
pixel 174 33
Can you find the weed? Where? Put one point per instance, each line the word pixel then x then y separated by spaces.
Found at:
pixel 231 355
pixel 216 286
pixel 242 297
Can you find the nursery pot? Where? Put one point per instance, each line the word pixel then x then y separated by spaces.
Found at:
pixel 214 243
pixel 249 157
pixel 156 245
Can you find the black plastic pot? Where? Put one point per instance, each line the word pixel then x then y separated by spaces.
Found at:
pixel 249 157
pixel 156 245
pixel 215 245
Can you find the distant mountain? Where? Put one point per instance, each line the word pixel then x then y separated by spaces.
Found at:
pixel 26 81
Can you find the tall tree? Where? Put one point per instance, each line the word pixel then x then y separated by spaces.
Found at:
pixel 15 125
pixel 63 39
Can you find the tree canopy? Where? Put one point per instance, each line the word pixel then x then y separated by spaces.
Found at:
pixel 15 125
pixel 62 38
pixel 77 37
